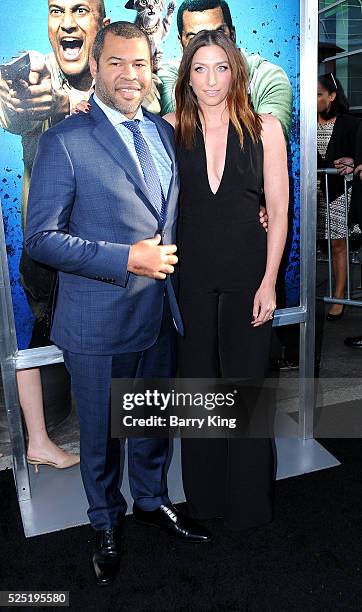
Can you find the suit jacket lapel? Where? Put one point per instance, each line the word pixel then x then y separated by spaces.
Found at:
pixel 109 138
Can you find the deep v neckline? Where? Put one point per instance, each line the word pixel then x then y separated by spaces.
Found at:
pixel 214 194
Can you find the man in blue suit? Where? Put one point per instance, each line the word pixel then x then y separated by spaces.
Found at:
pixel 102 210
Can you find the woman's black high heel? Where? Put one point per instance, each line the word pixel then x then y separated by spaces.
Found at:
pixel 335 317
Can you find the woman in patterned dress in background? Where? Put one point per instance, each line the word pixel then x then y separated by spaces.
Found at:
pixel 336 141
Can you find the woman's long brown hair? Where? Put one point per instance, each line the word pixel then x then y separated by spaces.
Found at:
pixel 240 110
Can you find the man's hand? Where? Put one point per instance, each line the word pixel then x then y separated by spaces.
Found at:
pixel 263 217
pixel 358 171
pixel 149 258
pixel 344 165
pixel 35 99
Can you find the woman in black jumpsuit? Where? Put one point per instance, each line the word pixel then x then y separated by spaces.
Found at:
pixel 223 259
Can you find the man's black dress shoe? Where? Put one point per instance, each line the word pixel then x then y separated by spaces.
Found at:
pixel 171 520
pixel 106 556
pixel 354 341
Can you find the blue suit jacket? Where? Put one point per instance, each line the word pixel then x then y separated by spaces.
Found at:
pixel 88 202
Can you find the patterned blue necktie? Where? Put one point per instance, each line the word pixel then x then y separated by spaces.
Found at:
pixel 149 169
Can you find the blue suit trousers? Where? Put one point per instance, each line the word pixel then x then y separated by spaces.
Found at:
pixel 100 454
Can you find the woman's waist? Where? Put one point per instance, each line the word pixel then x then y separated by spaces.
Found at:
pixel 222 252
pixel 212 217
pixel 210 228
pixel 200 197
pixel 236 275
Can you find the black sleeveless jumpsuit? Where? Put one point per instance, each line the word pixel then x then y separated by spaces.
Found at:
pixel 222 250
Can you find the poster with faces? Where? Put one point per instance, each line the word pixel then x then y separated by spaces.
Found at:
pixel 44 55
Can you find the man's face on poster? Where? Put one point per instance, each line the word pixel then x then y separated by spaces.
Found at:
pixel 72 27
pixel 195 21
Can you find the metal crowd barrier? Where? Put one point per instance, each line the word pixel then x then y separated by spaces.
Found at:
pixel 348 301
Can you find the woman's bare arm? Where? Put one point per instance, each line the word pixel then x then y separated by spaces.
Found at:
pixel 276 189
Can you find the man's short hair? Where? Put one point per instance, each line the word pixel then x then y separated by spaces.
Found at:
pixel 123 29
pixel 200 6
pixel 101 10
pixel 227 15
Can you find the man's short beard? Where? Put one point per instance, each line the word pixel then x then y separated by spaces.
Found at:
pixel 112 101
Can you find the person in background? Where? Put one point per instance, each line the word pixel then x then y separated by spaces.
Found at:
pixel 56 83
pixel 336 141
pixel 268 86
pixel 41 449
pixel 356 214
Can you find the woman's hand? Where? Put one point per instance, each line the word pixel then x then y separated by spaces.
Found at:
pixel 263 217
pixel 264 304
pixel 358 171
pixel 82 107
pixel 344 165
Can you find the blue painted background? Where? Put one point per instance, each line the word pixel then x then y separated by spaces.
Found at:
pixel 262 26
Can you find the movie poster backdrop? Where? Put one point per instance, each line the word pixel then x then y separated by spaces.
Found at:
pixel 263 27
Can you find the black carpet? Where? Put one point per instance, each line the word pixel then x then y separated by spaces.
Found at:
pixel 308 559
